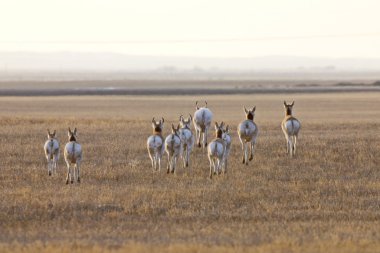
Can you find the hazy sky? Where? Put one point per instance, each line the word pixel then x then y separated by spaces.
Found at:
pixel 248 28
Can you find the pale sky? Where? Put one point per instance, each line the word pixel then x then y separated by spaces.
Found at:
pixel 216 28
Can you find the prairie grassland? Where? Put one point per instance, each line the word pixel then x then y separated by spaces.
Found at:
pixel 325 199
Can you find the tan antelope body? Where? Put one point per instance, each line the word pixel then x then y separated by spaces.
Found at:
pixel 155 144
pixel 202 121
pixel 173 147
pixel 248 132
pixel 51 149
pixel 73 155
pixel 187 139
pixel 216 150
pixel 291 127
pixel 227 140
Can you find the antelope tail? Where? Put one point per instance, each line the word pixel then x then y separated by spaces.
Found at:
pixel 216 149
pixel 172 143
pixel 51 148
pixel 203 125
pixel 293 130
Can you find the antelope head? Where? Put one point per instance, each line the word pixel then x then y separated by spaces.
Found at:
pixel 197 107
pixel 219 129
pixel 250 114
pixel 158 126
pixel 72 134
pixel 50 135
pixel 185 123
pixel 175 130
pixel 288 108
pixel 226 132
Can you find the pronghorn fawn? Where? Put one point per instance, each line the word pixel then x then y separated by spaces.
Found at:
pixel 216 150
pixel 51 149
pixel 73 155
pixel 248 132
pixel 291 127
pixel 202 121
pixel 173 147
pixel 155 144
pixel 187 139
pixel 227 140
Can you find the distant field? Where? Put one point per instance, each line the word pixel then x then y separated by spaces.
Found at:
pixel 196 87
pixel 326 199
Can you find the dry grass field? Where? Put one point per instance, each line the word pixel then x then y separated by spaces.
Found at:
pixel 326 199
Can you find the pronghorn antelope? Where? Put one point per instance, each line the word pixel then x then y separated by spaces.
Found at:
pixel 187 138
pixel 155 144
pixel 51 148
pixel 73 155
pixel 216 150
pixel 248 131
pixel 290 126
pixel 227 140
pixel 173 147
pixel 202 121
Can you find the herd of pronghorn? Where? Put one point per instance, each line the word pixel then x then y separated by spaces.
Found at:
pixel 180 142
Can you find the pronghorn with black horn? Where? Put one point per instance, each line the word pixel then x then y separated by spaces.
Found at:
pixel 290 126
pixel 51 148
pixel 248 131
pixel 73 155
pixel 187 138
pixel 202 121
pixel 216 150
pixel 173 147
pixel 155 144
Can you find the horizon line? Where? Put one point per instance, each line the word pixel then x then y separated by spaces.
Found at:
pixel 197 40
pixel 188 56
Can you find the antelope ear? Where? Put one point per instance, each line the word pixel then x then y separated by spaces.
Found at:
pixel 292 103
pixel 173 127
pixel 222 124
pixel 245 110
pixel 75 131
pixel 227 128
pixel 48 131
pixel 181 117
pixel 54 132
pixel 254 108
pixel 191 117
pixel 284 103
pixel 206 103
pixel 153 120
pixel 196 105
pixel 69 132
pixel 216 125
pixel 163 120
